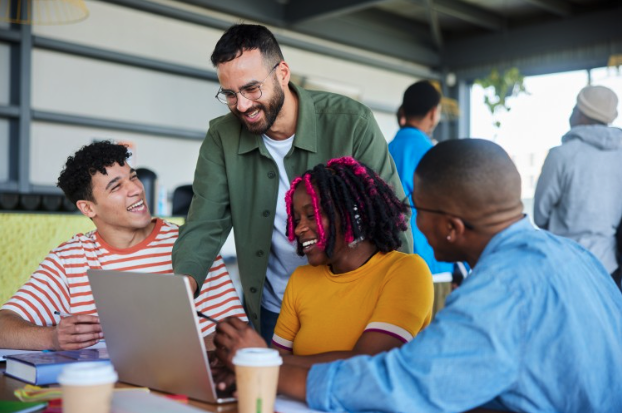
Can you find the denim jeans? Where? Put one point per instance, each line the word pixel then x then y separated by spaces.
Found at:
pixel 268 322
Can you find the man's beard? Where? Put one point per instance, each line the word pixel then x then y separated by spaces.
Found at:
pixel 272 112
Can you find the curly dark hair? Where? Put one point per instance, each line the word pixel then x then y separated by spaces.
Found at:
pixel 366 205
pixel 241 37
pixel 75 179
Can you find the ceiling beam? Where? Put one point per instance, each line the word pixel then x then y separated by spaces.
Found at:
pixel 298 11
pixel 378 19
pixel 181 14
pixel 265 11
pixel 378 32
pixel 559 7
pixel 471 14
pixel 600 27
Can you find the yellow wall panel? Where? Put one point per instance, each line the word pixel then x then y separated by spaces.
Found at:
pixel 25 240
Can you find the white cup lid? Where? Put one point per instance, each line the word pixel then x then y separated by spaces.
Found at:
pixel 257 357
pixel 87 374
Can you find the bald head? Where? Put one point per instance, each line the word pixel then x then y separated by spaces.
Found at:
pixel 473 178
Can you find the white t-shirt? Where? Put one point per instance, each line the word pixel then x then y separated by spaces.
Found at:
pixel 283 259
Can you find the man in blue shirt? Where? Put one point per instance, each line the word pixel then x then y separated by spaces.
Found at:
pixel 536 326
pixel 418 116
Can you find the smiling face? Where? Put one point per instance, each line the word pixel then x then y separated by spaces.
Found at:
pixel 119 200
pixel 306 230
pixel 306 227
pixel 249 70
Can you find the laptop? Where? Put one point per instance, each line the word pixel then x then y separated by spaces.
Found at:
pixel 152 333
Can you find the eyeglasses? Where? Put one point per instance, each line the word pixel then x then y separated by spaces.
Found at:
pixel 467 225
pixel 252 92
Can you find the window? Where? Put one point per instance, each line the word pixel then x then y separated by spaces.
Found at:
pixel 535 124
pixel 5 70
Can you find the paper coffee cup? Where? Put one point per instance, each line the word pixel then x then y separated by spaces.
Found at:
pixel 256 376
pixel 87 387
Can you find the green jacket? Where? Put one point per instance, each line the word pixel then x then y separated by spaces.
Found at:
pixel 236 184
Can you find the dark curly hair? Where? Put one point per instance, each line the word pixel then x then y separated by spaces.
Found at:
pixel 241 37
pixel 366 205
pixel 75 179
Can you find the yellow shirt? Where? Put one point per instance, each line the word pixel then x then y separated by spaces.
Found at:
pixel 392 293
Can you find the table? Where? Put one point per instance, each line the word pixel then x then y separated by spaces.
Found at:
pixel 8 385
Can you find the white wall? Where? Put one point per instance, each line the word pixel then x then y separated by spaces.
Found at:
pixel 76 85
pixel 173 159
pixel 374 84
pixel 388 124
pixel 143 34
pixel 156 37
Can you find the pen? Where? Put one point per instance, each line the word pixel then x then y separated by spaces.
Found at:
pixel 62 314
pixel 213 320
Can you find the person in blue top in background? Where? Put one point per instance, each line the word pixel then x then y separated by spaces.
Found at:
pixel 418 116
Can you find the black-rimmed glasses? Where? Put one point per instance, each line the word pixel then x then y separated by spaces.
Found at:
pixel 467 225
pixel 252 92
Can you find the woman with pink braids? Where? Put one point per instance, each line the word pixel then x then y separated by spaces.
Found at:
pixel 358 295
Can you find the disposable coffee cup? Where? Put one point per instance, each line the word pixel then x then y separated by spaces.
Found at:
pixel 87 387
pixel 256 376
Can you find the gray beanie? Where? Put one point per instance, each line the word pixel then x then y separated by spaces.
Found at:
pixel 599 103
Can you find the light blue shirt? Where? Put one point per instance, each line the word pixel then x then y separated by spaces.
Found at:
pixel 536 327
pixel 407 149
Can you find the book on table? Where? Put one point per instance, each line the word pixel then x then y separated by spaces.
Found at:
pixel 45 367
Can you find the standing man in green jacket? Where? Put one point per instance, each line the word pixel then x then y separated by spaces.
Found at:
pixel 274 133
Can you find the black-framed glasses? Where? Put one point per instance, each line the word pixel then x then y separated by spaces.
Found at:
pixel 252 92
pixel 466 223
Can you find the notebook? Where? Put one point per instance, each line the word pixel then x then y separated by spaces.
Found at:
pixel 44 367
pixel 152 332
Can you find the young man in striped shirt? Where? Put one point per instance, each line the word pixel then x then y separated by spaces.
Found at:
pixel 105 188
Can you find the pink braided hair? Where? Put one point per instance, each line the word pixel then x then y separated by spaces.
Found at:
pixel 316 209
pixel 289 196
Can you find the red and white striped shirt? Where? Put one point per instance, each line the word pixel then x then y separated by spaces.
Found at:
pixel 61 284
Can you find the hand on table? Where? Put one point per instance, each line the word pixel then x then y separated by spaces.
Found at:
pixel 76 332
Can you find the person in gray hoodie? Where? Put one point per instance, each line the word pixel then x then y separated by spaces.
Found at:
pixel 579 192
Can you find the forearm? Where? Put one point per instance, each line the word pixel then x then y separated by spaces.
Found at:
pixel 308 361
pixel 15 332
pixel 293 381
